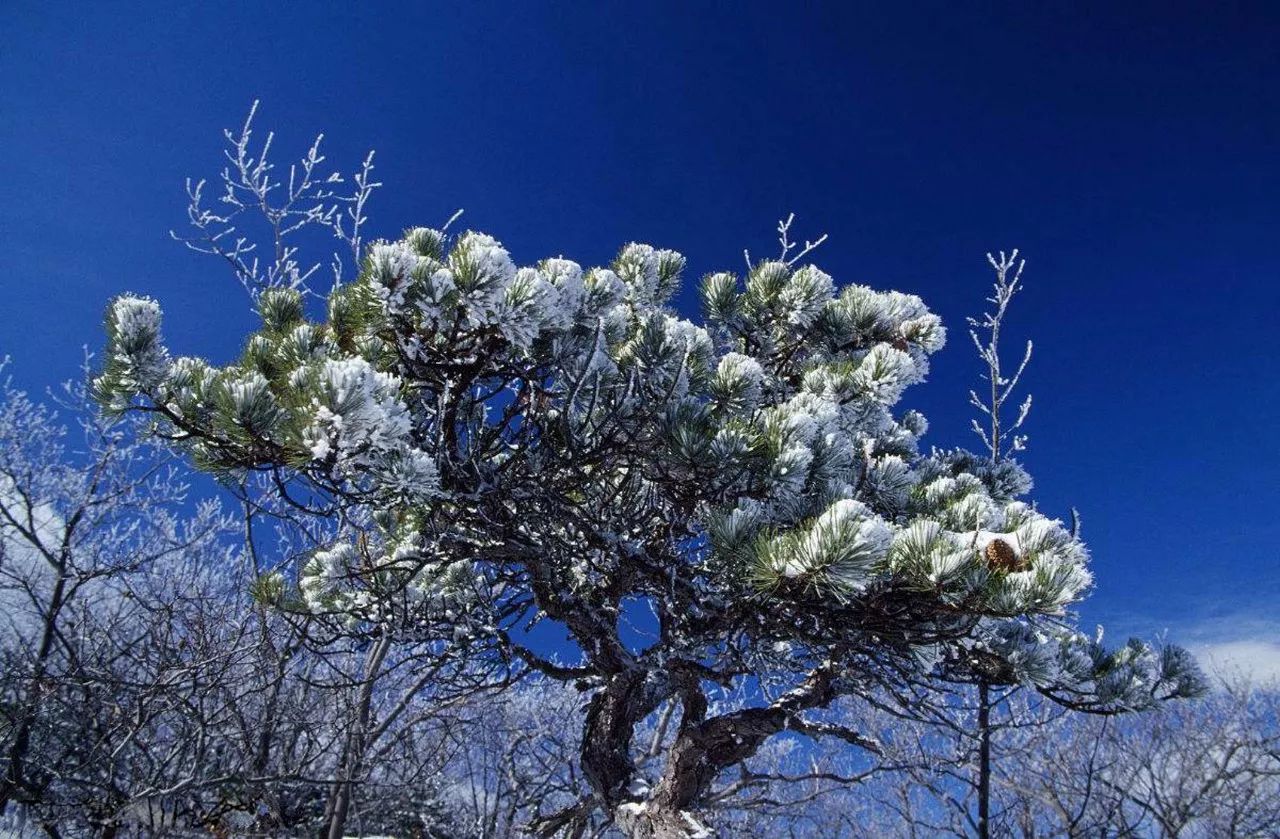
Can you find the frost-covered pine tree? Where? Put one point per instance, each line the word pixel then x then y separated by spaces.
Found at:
pixel 502 445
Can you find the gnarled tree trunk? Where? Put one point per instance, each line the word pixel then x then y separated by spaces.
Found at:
pixel 703 748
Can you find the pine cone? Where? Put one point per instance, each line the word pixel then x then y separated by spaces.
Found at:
pixel 1002 557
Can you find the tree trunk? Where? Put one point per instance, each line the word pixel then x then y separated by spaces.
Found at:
pixel 627 698
pixel 703 749
pixel 353 754
pixel 984 761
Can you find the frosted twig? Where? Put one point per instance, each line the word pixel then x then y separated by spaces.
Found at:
pixel 1008 282
pixel 253 196
pixel 456 215
pixel 784 240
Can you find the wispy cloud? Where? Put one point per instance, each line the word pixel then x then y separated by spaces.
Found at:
pixel 1240 645
pixel 1256 660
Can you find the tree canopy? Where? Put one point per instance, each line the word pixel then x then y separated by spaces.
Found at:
pixel 499 446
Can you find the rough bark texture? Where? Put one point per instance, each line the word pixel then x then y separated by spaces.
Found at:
pixel 703 748
pixel 639 822
pixel 627 698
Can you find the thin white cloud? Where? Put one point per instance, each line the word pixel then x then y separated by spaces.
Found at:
pixel 1241 645
pixel 1256 660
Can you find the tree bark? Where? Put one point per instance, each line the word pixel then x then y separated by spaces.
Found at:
pixel 614 712
pixel 984 761
pixel 703 749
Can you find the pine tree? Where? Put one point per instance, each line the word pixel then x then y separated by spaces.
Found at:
pixel 503 445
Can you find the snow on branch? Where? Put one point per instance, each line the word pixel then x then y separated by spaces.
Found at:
pixel 1007 283
pixel 254 194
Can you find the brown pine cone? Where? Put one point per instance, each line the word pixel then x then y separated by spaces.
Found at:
pixel 1001 556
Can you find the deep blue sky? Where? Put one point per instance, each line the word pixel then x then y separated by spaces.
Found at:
pixel 1131 154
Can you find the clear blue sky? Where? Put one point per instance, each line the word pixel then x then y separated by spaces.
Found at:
pixel 1132 155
